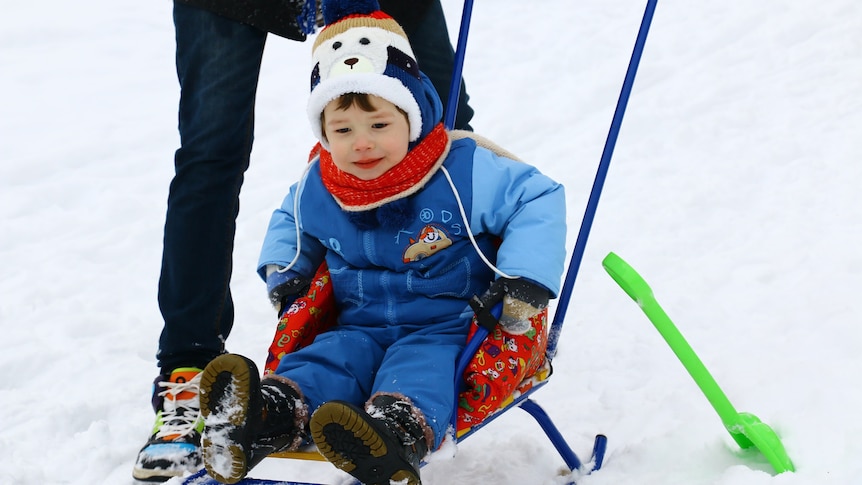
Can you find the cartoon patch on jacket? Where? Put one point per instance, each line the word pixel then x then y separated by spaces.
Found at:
pixel 431 239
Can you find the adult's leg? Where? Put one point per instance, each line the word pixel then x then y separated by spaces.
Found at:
pixel 218 63
pixel 425 25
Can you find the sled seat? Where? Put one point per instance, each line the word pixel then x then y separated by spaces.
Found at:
pixel 496 370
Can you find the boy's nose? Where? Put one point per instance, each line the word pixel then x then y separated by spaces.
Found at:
pixel 363 142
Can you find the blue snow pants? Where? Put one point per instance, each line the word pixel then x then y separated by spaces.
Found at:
pixel 353 362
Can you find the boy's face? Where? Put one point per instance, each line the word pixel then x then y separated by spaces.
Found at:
pixel 366 144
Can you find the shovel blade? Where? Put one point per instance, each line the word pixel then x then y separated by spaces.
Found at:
pixel 764 438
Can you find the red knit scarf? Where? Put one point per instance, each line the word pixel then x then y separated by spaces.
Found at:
pixel 402 180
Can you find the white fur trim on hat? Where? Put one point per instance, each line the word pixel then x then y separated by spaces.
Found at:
pixel 388 88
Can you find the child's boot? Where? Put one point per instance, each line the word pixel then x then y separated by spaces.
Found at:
pixel 246 418
pixel 385 444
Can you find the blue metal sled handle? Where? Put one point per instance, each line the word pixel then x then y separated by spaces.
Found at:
pixel 601 174
pixel 458 66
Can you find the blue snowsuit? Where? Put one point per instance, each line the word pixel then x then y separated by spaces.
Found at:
pixel 402 292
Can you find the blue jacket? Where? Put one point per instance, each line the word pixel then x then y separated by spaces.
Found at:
pixel 427 268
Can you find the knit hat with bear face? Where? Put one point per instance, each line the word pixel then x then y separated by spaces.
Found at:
pixel 363 50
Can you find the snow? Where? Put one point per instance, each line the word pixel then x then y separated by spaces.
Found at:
pixel 732 191
pixel 220 423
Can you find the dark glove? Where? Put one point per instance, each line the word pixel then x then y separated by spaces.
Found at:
pixel 522 299
pixel 284 288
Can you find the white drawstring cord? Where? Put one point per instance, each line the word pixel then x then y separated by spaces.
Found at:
pixel 299 188
pixel 470 231
pixel 460 209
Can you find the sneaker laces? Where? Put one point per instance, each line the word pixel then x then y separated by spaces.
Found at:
pixel 180 416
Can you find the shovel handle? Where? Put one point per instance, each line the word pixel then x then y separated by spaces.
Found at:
pixel 638 289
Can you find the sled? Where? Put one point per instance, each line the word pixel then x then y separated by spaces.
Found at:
pixel 486 318
pixel 520 398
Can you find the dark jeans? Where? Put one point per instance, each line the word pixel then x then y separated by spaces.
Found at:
pixel 425 25
pixel 218 63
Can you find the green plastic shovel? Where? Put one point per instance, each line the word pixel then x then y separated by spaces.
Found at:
pixel 745 428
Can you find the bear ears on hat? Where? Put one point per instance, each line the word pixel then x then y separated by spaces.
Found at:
pixel 335 10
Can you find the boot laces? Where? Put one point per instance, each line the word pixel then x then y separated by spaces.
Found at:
pixel 181 408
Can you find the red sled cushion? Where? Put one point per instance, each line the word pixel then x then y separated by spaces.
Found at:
pixel 308 316
pixel 501 369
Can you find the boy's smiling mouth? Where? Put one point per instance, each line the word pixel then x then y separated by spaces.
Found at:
pixel 367 163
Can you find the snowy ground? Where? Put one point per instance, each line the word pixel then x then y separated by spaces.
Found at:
pixel 732 191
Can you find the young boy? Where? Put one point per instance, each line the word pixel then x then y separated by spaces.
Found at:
pixel 411 224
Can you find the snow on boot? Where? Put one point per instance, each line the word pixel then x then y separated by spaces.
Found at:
pixel 174 445
pixel 376 450
pixel 245 419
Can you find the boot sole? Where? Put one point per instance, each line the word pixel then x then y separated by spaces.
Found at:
pixel 225 393
pixel 347 439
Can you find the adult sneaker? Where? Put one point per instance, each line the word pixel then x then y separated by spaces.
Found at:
pixel 174 446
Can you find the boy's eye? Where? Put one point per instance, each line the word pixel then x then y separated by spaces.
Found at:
pixel 380 125
pixel 342 130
